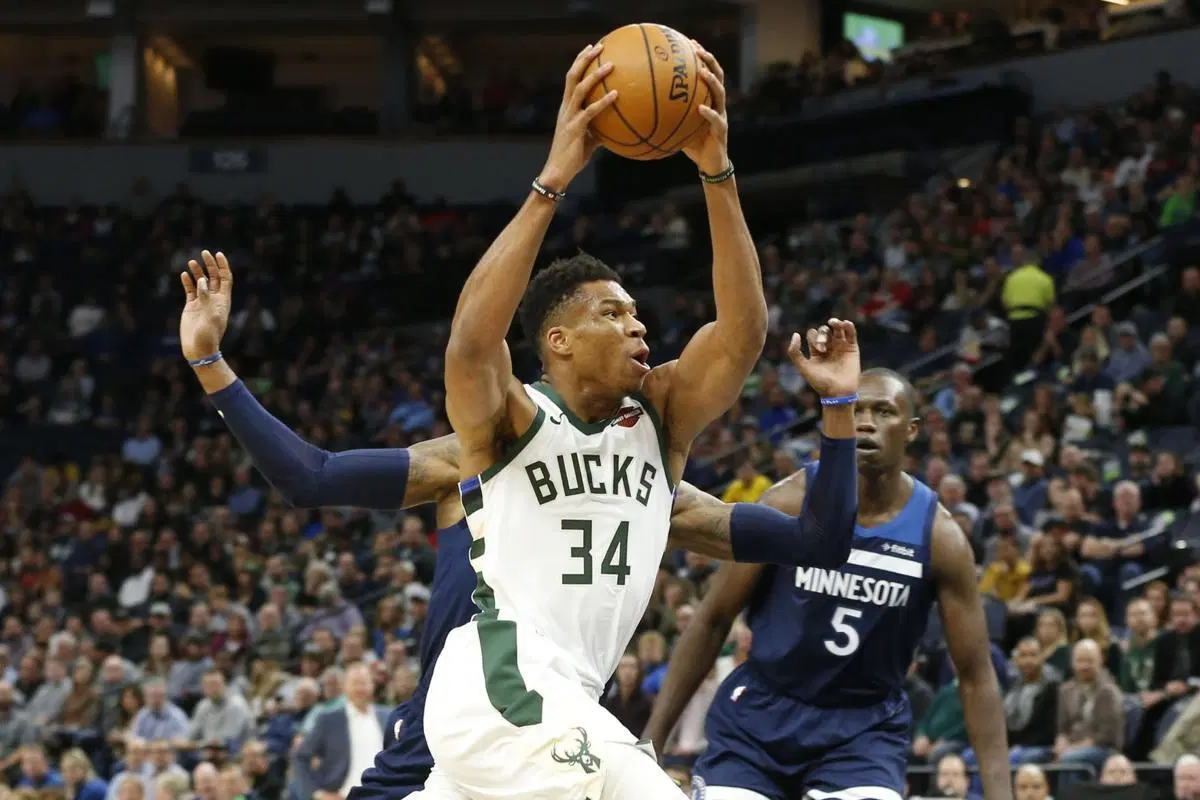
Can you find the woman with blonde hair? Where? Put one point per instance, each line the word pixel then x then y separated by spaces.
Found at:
pixel 1092 623
pixel 79 779
pixel 1051 634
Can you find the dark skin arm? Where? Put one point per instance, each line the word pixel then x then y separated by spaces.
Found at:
pixel 485 403
pixel 700 522
pixel 729 591
pixel 966 636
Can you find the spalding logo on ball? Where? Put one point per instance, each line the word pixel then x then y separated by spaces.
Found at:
pixel 656 73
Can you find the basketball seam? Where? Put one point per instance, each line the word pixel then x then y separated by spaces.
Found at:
pixel 617 110
pixel 692 100
pixel 653 83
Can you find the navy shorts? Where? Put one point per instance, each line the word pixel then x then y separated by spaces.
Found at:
pixel 781 748
pixel 402 766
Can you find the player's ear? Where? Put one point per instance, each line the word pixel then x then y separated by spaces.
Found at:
pixel 914 430
pixel 558 340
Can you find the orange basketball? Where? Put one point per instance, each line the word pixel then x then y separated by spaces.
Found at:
pixel 656 74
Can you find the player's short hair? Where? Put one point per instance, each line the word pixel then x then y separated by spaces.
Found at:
pixel 554 286
pixel 910 392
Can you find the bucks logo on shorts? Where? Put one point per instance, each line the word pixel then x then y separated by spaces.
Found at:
pixel 574 749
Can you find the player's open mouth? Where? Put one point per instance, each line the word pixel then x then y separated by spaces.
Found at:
pixel 866 446
pixel 642 358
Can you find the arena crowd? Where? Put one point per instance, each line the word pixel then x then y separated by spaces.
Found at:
pixel 172 628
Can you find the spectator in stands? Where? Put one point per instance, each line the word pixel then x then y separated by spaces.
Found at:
pixel 1030 705
pixel 748 486
pixel 80 779
pixel 1030 783
pixel 1183 736
pixel 951 778
pixel 221 718
pixel 159 719
pixel 1137 648
pixel 1176 662
pixel 1006 574
pixel 1092 623
pixel 943 729
pixel 627 702
pixel 345 740
pixel 1091 715
pixel 1128 357
pixel 1117 771
pixel 36 772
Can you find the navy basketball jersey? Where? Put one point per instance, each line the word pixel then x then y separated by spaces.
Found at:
pixel 404 763
pixel 845 638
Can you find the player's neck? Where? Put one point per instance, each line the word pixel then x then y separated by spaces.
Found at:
pixel 880 492
pixel 588 403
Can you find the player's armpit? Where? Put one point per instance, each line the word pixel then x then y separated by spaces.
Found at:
pixel 432 470
pixel 698 647
pixel 953 562
pixel 487 406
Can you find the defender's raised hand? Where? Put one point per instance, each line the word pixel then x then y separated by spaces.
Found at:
pixel 832 367
pixel 573 144
pixel 709 148
pixel 208 288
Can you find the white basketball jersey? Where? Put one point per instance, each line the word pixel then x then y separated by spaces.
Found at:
pixel 569 527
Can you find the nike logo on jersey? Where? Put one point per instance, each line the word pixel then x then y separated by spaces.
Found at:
pixel 396 730
pixel 556 420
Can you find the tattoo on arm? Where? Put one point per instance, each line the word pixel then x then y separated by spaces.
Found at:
pixel 432 470
pixel 700 523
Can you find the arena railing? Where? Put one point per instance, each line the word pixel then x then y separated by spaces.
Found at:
pixel 1140 279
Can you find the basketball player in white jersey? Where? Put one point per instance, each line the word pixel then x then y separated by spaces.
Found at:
pixel 568 483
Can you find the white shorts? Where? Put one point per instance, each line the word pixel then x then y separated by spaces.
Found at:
pixel 502 722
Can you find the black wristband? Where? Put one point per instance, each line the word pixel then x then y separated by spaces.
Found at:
pixel 720 177
pixel 547 192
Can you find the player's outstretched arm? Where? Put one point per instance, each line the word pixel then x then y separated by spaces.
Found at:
pixel 479 381
pixel 795 525
pixel 708 376
pixel 698 647
pixel 953 563
pixel 304 474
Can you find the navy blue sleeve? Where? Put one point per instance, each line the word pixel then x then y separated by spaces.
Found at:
pixel 821 536
pixel 305 475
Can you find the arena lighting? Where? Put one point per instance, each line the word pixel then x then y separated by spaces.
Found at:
pixel 99 9
pixel 964 183
pixel 1118 2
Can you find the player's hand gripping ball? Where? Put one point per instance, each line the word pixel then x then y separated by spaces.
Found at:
pixel 668 91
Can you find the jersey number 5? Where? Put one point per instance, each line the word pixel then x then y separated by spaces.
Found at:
pixel 616 557
pixel 847 640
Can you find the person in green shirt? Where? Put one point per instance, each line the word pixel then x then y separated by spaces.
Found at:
pixel 1137 657
pixel 1180 203
pixel 943 728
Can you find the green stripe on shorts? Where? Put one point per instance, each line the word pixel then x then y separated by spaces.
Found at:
pixel 506 689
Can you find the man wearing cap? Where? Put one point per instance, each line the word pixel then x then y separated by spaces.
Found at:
pixel 1030 497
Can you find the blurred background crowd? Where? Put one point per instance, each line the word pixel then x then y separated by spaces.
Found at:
pixel 171 627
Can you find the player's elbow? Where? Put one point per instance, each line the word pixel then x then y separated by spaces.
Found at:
pixel 835 549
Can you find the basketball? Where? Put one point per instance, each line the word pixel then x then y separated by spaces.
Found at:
pixel 656 73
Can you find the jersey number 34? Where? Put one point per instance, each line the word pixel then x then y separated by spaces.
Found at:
pixel 616 557
pixel 845 639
